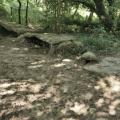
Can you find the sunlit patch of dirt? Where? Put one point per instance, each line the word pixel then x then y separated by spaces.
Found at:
pixel 110 97
pixel 20 96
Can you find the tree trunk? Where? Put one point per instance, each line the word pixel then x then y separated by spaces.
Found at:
pixel 58 8
pixel 19 12
pixel 104 17
pixel 11 14
pixel 26 17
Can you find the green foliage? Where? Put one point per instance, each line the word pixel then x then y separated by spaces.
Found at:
pixel 60 14
pixel 100 40
pixel 3 13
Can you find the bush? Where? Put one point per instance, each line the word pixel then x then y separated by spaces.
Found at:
pixel 100 40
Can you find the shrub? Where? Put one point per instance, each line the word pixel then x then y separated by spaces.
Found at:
pixel 100 40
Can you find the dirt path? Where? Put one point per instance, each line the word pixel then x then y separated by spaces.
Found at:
pixel 35 86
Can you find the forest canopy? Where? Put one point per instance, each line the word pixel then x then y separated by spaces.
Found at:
pixel 60 15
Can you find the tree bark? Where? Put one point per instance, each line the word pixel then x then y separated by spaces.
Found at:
pixel 26 17
pixel 11 14
pixel 104 17
pixel 19 12
pixel 99 8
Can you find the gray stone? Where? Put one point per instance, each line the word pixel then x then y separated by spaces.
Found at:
pixel 89 56
pixel 108 65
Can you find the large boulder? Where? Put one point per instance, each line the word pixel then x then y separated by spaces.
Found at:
pixel 89 57
pixel 108 65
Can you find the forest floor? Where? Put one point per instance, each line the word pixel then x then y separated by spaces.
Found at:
pixel 36 86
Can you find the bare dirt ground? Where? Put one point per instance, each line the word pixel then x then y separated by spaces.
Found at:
pixel 36 86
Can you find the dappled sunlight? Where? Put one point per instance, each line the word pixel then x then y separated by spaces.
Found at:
pixel 76 107
pixel 46 87
pixel 7 92
pixel 34 88
pixel 53 91
pixel 110 87
pixel 80 109
pixel 39 114
pixel 45 71
pixel 2 46
pixel 15 49
pixel 25 95
pixel 19 103
pixel 100 102
pixel 9 112
pixel 5 85
pixel 109 84
pixel 23 87
pixel 113 106
pixel 13 40
pixel 102 115
pixel 67 60
pixel 35 66
pixel 34 97
pixel 70 119
pixel 42 99
pixel 20 118
pixel 114 83
pixel 25 49
pixel 67 107
pixel 87 96
pixel 57 65
pixel 66 63
pixel 38 62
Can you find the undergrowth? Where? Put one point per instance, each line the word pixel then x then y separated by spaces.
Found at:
pixel 100 40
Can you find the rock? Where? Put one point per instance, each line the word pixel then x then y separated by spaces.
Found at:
pixel 108 65
pixel 62 43
pixel 89 57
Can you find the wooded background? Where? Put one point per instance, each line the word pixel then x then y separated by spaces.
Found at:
pixel 63 15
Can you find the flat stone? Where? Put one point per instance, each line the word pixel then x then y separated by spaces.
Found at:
pixel 89 56
pixel 108 65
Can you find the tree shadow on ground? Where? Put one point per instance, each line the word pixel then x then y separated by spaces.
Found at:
pixel 28 99
pixel 38 87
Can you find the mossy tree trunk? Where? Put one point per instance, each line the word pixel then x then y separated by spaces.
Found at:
pixel 103 15
pixel 11 14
